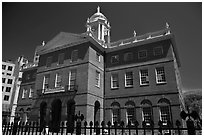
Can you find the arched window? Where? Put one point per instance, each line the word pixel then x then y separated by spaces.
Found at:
pixel 130 113
pixel 147 112
pixel 115 112
pixel 165 110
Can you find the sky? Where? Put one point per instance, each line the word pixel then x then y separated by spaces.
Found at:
pixel 26 25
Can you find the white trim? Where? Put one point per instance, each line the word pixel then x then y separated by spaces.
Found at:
pixel 126 80
pixel 98 74
pixel 56 79
pixel 43 85
pixel 162 82
pixel 23 93
pixel 30 93
pixel 147 77
pixel 69 80
pixel 113 81
pixel 98 57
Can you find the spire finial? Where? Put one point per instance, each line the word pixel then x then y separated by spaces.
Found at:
pixel 43 43
pixel 134 33
pixel 167 25
pixel 98 9
pixel 87 20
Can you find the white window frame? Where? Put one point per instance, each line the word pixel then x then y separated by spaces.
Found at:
pixel 45 83
pixel 143 116
pixel 58 80
pixel 24 92
pixel 118 114
pixel 70 76
pixel 165 122
pixel 4 81
pixel 31 93
pixel 133 115
pixel 129 79
pixel 160 75
pixel 98 79
pixel 147 77
pixel 8 88
pixel 9 80
pixel 98 57
pixel 112 81
pixel 8 97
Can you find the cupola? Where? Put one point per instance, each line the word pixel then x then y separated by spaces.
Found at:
pixel 99 27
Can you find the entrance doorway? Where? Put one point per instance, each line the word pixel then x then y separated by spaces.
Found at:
pixel 97 112
pixel 56 108
pixel 70 115
pixel 43 108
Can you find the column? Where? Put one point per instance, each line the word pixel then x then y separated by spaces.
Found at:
pixel 99 29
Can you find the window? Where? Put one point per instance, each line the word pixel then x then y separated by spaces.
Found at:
pixel 31 93
pixel 147 114
pixel 3 67
pixel 49 62
pixel 6 98
pixel 27 76
pixel 74 55
pixel 2 88
pixel 144 78
pixel 164 114
pixel 8 89
pixel 165 111
pixel 58 80
pixel 97 79
pixel 72 79
pixel 147 111
pixel 24 93
pixel 114 81
pixel 116 115
pixel 46 82
pixel 160 75
pixel 130 115
pixel 158 51
pixel 142 54
pixel 128 56
pixel 34 75
pixel 3 80
pixel 97 57
pixel 8 74
pixel 10 68
pixel 61 58
pixel 129 79
pixel 115 112
pixel 115 59
pixel 9 81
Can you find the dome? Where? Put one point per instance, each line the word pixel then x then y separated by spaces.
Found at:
pixel 97 16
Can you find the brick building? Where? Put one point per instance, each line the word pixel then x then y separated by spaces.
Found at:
pixel 130 79
pixel 26 92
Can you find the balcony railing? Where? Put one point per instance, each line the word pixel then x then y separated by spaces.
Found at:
pixel 57 90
